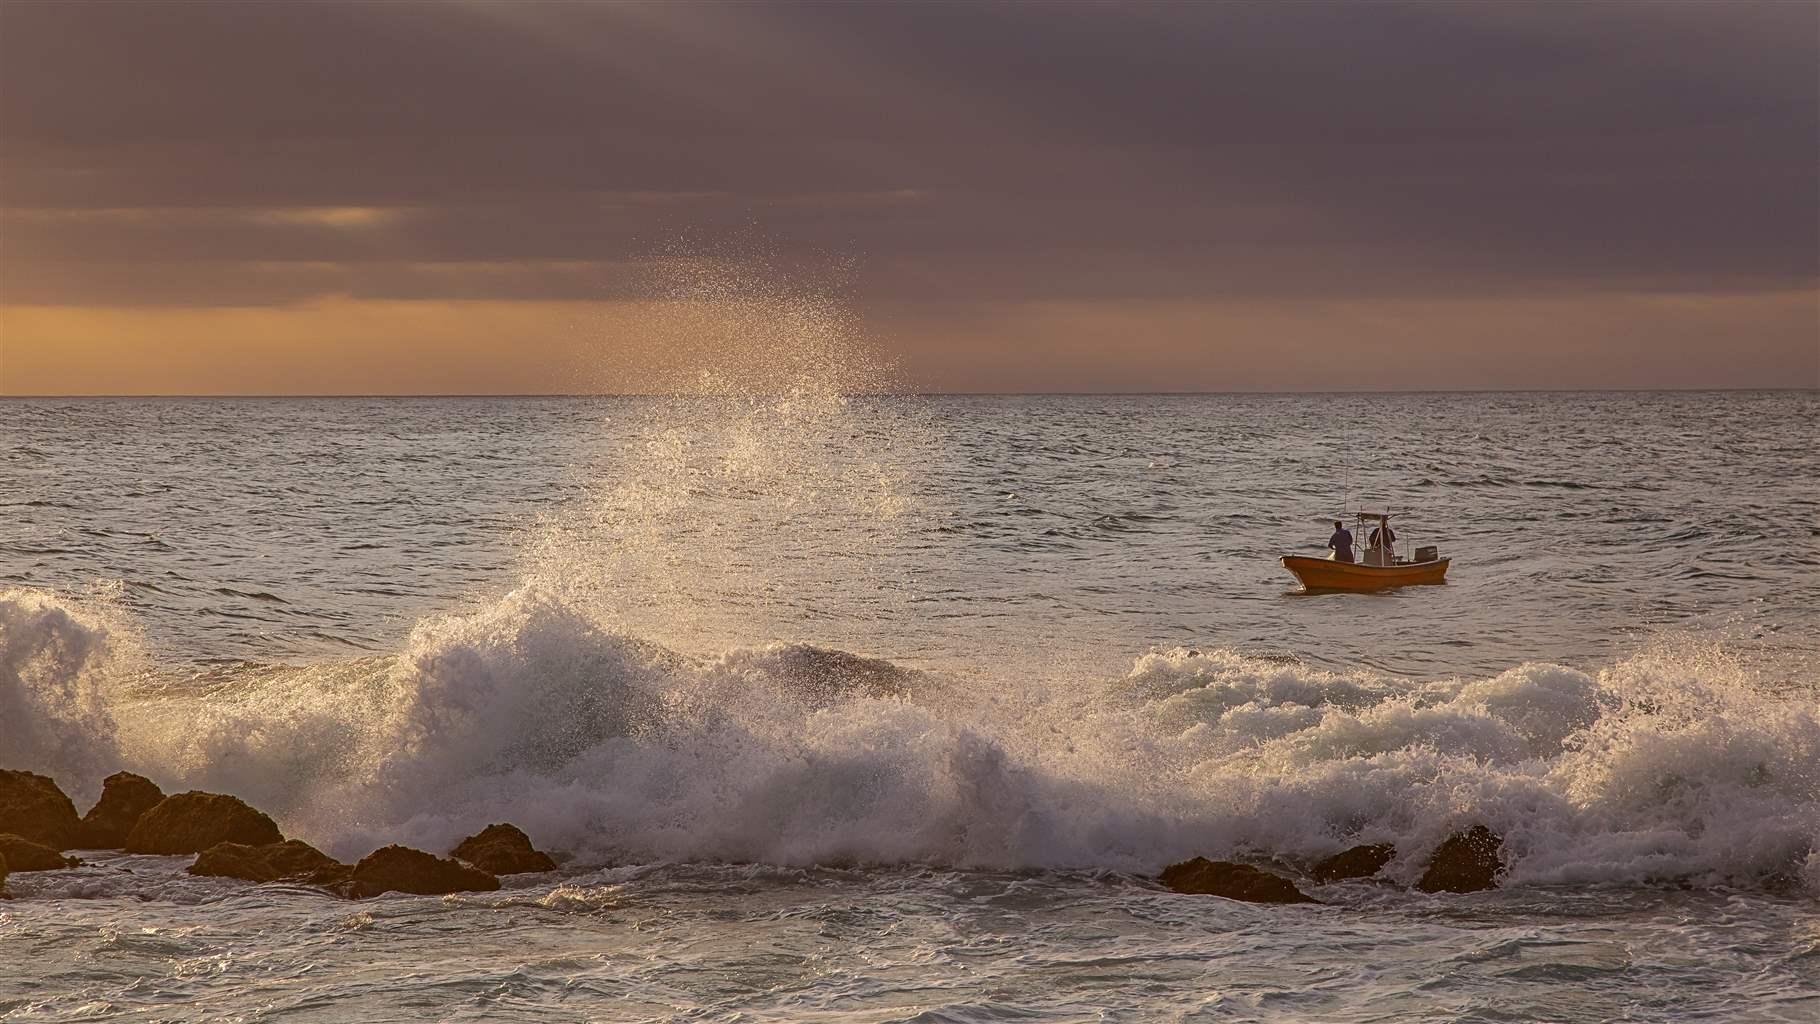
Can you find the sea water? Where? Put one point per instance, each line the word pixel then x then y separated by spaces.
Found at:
pixel 886 708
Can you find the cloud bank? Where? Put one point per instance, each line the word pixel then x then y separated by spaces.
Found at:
pixel 1035 196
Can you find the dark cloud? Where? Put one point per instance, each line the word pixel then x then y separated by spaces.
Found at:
pixel 963 153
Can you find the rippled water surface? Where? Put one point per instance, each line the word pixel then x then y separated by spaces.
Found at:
pixel 886 709
pixel 833 945
pixel 1091 527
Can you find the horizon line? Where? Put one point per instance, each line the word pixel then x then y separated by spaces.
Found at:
pixel 910 394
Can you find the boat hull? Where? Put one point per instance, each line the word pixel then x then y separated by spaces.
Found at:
pixel 1327 574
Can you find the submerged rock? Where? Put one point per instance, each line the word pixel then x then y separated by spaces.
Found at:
pixel 24 855
pixel 1204 877
pixel 292 859
pixel 32 807
pixel 502 850
pixel 1357 862
pixel 124 797
pixel 1466 862
pixel 822 676
pixel 193 822
pixel 402 869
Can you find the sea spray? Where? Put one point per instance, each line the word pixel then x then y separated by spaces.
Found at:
pixel 763 369
pixel 58 661
pixel 619 750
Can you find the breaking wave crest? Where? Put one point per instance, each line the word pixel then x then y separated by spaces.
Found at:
pixel 1675 764
pixel 56 656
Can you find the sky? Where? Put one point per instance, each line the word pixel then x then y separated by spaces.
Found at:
pixel 524 197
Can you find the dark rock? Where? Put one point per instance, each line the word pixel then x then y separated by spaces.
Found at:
pixel 1201 876
pixel 502 850
pixel 1466 862
pixel 823 676
pixel 292 859
pixel 124 797
pixel 24 855
pixel 32 807
pixel 336 876
pixel 1358 862
pixel 402 869
pixel 193 822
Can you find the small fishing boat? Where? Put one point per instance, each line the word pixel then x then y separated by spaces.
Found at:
pixel 1379 569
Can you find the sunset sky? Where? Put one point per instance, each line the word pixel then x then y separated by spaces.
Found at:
pixel 491 196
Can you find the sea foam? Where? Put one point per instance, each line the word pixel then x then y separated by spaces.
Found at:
pixel 56 659
pixel 1668 765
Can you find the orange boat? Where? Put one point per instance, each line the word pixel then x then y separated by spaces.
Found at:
pixel 1381 568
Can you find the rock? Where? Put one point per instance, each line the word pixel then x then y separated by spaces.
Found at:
pixel 337 877
pixel 124 797
pixel 1201 876
pixel 1466 862
pixel 1358 862
pixel 502 850
pixel 24 855
pixel 32 807
pixel 823 676
pixel 3 874
pixel 292 859
pixel 193 822
pixel 402 869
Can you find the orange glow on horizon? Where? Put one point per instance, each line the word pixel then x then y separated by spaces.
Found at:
pixel 356 346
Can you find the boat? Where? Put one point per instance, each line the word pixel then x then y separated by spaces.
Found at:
pixel 1380 569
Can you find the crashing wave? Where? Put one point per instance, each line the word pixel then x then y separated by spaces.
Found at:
pixel 1661 767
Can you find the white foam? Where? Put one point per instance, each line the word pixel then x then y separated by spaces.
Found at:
pixel 1664 766
pixel 57 659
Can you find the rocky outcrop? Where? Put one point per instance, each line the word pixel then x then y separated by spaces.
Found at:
pixel 402 869
pixel 32 807
pixel 24 855
pixel 1201 876
pixel 193 822
pixel 124 797
pixel 502 850
pixel 1466 862
pixel 1357 862
pixel 291 860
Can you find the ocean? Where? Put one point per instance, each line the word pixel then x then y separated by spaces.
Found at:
pixel 889 708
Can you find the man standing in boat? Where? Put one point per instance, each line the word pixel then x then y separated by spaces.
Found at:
pixel 1383 543
pixel 1341 542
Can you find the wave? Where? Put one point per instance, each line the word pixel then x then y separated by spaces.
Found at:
pixel 1675 764
pixel 56 655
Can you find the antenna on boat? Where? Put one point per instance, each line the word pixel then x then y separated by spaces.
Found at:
pixel 1345 465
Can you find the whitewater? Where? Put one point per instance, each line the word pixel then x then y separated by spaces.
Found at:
pixel 888 709
pixel 1665 767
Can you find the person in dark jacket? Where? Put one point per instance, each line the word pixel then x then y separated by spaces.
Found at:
pixel 1341 543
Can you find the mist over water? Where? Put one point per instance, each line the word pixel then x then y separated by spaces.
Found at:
pixel 784 635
